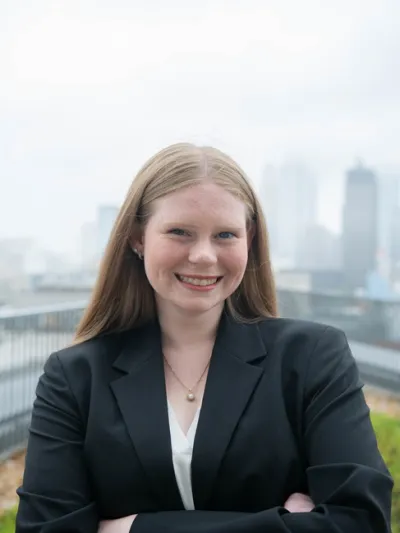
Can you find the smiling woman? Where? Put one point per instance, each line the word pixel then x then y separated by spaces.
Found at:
pixel 184 391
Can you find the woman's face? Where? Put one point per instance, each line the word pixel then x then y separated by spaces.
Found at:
pixel 195 248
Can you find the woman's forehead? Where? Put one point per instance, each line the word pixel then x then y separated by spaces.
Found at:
pixel 205 198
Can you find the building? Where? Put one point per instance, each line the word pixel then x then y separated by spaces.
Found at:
pixel 388 206
pixel 360 227
pixel 319 250
pixel 310 281
pixel 289 197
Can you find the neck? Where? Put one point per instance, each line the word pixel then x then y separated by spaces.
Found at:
pixel 182 330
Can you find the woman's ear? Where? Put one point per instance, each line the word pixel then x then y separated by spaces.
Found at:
pixel 137 247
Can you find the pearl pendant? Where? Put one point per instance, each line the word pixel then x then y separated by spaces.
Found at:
pixel 190 397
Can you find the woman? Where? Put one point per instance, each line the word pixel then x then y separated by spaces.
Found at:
pixel 184 404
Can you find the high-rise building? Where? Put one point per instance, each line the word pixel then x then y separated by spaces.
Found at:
pixel 360 227
pixel 289 197
pixel 319 250
pixel 388 205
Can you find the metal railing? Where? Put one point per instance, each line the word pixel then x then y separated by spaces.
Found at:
pixel 364 320
pixel 372 327
pixel 27 337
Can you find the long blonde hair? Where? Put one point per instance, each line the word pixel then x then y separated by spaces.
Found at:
pixel 122 297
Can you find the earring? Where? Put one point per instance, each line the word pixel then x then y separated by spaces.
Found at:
pixel 139 254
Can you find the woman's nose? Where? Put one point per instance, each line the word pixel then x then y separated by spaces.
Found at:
pixel 203 252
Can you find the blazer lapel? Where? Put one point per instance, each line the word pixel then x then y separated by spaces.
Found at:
pixel 230 383
pixel 141 396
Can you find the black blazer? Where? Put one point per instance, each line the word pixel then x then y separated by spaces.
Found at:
pixel 283 412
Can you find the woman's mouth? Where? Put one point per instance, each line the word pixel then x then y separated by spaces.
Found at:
pixel 201 281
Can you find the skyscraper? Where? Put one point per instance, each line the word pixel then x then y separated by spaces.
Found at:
pixel 289 197
pixel 360 227
pixel 389 203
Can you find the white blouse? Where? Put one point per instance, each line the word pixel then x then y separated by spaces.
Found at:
pixel 182 449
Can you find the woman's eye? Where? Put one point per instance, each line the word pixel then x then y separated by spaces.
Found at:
pixel 177 231
pixel 226 235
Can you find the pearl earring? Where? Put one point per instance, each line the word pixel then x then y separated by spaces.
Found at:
pixel 139 254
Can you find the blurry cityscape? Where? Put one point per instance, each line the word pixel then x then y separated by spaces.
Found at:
pixel 362 260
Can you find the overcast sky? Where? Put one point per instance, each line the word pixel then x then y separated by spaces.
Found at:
pixel 90 89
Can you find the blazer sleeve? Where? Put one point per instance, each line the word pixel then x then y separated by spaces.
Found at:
pixel 55 495
pixel 347 478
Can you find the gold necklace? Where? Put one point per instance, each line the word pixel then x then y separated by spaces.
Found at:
pixel 190 396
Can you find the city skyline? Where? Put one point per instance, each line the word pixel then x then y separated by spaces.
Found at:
pixel 305 254
pixel 329 203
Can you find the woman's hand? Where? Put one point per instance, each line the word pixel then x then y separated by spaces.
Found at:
pixel 299 503
pixel 296 503
pixel 119 525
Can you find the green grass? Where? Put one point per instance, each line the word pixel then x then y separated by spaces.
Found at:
pixel 7 522
pixel 388 434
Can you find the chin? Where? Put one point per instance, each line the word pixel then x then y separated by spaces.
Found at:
pixel 194 308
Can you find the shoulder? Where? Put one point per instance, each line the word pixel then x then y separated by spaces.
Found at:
pixel 310 347
pixel 87 352
pixel 86 369
pixel 299 333
pixel 79 361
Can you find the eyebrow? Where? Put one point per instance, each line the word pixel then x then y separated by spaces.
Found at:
pixel 227 227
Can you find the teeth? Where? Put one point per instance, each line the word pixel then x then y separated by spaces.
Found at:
pixel 197 281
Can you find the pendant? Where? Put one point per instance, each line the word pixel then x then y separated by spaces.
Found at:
pixel 190 396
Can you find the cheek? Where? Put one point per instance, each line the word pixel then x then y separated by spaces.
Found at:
pixel 236 259
pixel 162 255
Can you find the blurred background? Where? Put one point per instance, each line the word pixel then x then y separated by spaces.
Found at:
pixel 303 94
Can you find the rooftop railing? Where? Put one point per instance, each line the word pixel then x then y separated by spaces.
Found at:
pixel 29 336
